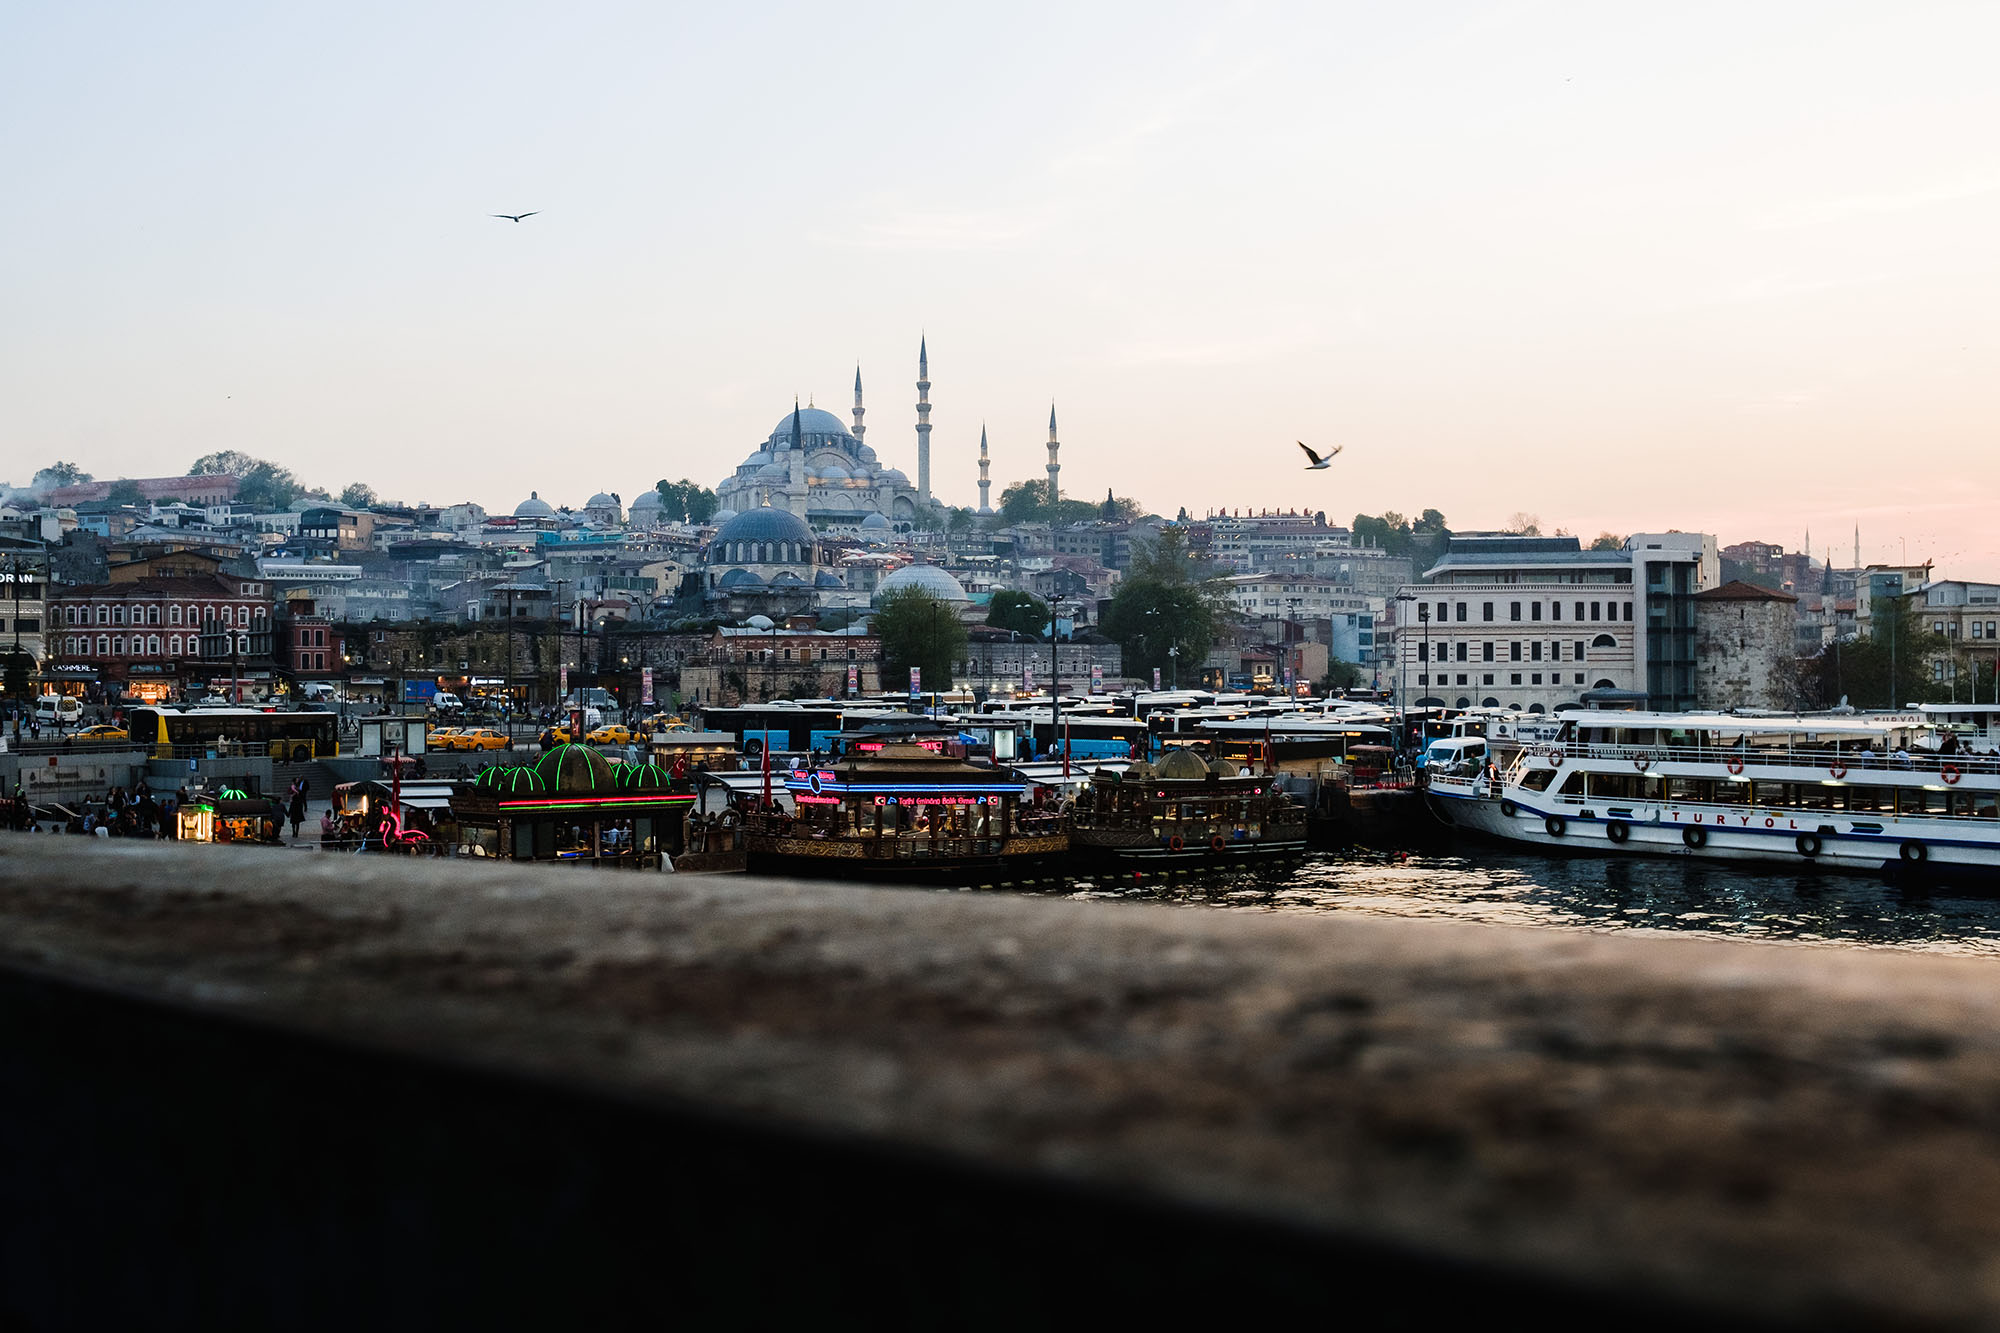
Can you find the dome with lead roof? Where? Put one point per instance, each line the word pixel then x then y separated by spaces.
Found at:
pixel 534 507
pixel 929 578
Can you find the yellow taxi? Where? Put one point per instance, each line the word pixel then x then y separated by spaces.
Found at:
pixel 102 732
pixel 612 733
pixel 480 738
pixel 439 738
pixel 659 722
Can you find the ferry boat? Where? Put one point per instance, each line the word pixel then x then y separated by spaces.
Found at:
pixel 1848 792
pixel 1185 813
pixel 905 812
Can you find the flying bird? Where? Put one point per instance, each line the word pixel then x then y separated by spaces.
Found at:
pixel 513 217
pixel 1318 462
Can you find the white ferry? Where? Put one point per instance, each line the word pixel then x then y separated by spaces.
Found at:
pixel 1850 792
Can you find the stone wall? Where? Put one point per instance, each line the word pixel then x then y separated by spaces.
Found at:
pixel 1745 653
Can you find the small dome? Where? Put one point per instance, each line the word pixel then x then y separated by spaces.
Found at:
pixel 832 472
pixel 534 507
pixel 721 516
pixel 765 524
pixel 875 523
pixel 647 500
pixel 784 578
pixel 740 578
pixel 1182 765
pixel 602 500
pixel 930 578
pixel 826 578
pixel 1223 769
pixel 890 476
pixel 575 768
pixel 761 458
pixel 776 471
pixel 642 775
pixel 1139 771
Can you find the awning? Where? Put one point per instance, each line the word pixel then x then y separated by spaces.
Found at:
pixel 427 802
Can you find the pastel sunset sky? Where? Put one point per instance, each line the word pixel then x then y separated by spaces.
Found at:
pixel 1727 267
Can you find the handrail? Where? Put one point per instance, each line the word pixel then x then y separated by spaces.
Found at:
pixel 1819 756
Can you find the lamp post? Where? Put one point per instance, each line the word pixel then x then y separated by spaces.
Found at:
pixel 1403 679
pixel 1174 665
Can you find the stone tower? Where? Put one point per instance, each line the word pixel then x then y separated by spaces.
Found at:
pixel 1055 465
pixel 860 431
pixel 923 421
pixel 985 478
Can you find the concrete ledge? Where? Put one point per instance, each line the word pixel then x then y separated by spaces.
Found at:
pixel 529 1084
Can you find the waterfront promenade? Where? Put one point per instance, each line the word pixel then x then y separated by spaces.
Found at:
pixel 458 1089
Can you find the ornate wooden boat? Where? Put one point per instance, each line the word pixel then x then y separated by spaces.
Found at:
pixel 1185 813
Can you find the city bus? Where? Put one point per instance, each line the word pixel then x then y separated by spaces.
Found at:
pixel 180 733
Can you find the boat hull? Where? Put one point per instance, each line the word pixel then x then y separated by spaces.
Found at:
pixel 1914 848
pixel 963 864
pixel 1095 852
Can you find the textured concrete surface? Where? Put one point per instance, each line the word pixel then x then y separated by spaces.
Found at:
pixel 1810 1134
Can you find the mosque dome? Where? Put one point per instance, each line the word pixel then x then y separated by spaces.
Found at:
pixel 812 421
pixel 647 500
pixel 891 477
pixel 765 524
pixel 832 472
pixel 601 501
pixel 722 516
pixel 534 507
pixel 929 578
pixel 774 470
pixel 875 523
pixel 826 578
pixel 740 580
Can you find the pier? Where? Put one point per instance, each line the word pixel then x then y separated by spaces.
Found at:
pixel 270 1090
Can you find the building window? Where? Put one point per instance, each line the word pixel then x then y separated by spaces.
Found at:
pixel 1604 641
pixel 1513 610
pixel 1423 679
pixel 1514 653
pixel 1976 630
pixel 1514 679
pixel 1628 610
pixel 1595 607
pixel 1535 679
pixel 1486 679
pixel 1556 610
pixel 1579 611
pixel 1461 654
pixel 1579 650
pixel 118 645
pixel 1461 612
pixel 103 645
pixel 1486 611
pixel 104 615
pixel 1461 678
pixel 1423 652
pixel 1486 654
pixel 1579 678
pixel 173 615
pixel 1534 610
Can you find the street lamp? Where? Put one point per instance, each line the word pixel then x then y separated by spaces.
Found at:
pixel 1403 678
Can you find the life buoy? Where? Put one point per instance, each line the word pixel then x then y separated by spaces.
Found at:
pixel 1509 809
pixel 1555 757
pixel 1838 770
pixel 1949 773
pixel 1642 762
pixel 1617 830
pixel 1695 837
pixel 1556 825
pixel 1807 843
pixel 1174 842
pixel 1735 765
pixel 1216 844
pixel 1915 851
pixel 730 819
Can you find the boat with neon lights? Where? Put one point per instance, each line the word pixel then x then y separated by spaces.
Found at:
pixel 1186 812
pixel 575 807
pixel 1837 791
pixel 901 812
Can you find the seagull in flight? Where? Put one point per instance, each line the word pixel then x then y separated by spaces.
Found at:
pixel 513 217
pixel 1317 462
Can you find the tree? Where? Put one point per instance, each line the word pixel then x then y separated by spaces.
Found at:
pixel 261 484
pixel 961 520
pixel 1607 541
pixel 1339 676
pixel 919 630
pixel 59 474
pixel 1166 609
pixel 1888 669
pixel 1524 524
pixel 125 491
pixel 693 501
pixel 358 495
pixel 1023 501
pixel 16 682
pixel 1016 610
pixel 1390 532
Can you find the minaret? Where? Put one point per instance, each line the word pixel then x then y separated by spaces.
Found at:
pixel 985 480
pixel 1055 467
pixel 923 421
pixel 860 431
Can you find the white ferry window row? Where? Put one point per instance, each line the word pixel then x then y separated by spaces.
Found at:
pixel 1580 611
pixel 1517 651
pixel 1513 678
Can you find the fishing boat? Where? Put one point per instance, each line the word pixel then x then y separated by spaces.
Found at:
pixel 1839 791
pixel 903 812
pixel 1185 812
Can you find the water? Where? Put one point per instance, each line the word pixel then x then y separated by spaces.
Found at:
pixel 1612 893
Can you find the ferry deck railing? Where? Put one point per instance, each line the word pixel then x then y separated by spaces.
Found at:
pixel 1824 757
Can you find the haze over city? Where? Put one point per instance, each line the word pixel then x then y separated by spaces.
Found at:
pixel 1716 268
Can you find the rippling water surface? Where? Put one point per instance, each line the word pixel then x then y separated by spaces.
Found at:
pixel 1621 893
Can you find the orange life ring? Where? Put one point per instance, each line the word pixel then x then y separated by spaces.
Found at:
pixel 1735 765
pixel 1555 757
pixel 1949 773
pixel 1174 843
pixel 1216 844
pixel 1642 763
pixel 1838 770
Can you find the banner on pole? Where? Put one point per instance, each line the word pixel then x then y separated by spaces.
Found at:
pixel 646 686
pixel 853 680
pixel 916 683
pixel 1097 678
pixel 1156 678
pixel 1027 680
pixel 562 681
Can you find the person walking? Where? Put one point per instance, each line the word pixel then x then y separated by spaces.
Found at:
pixel 298 810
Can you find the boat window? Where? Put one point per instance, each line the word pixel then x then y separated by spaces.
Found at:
pixel 1769 794
pixel 1537 779
pixel 1571 782
pixel 1732 793
pixel 1977 804
pixel 1917 801
pixel 1691 790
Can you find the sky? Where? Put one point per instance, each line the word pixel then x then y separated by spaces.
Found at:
pixel 1717 267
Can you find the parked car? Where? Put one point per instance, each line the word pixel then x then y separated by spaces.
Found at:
pixel 611 733
pixel 103 731
pixel 59 709
pixel 481 738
